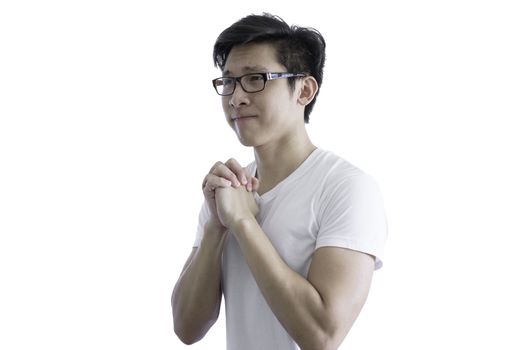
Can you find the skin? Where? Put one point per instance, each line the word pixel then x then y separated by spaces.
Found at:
pixel 316 311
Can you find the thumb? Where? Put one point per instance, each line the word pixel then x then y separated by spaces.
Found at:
pixel 255 184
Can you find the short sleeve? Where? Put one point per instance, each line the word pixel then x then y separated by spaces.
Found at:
pixel 203 217
pixel 352 216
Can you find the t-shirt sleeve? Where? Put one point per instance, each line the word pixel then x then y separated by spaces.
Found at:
pixel 352 216
pixel 203 217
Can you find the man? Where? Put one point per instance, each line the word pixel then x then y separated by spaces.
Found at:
pixel 292 240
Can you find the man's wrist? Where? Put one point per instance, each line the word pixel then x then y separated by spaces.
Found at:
pixel 242 224
pixel 214 225
pixel 213 240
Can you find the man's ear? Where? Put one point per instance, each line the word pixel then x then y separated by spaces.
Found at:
pixel 308 90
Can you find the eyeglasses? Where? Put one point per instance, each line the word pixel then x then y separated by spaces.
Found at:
pixel 253 82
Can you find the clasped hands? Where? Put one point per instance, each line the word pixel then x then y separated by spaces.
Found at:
pixel 229 193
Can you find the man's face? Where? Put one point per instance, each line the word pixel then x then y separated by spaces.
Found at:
pixel 263 117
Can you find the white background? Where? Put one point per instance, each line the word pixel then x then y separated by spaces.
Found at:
pixel 108 123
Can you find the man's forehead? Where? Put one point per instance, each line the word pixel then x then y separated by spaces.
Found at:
pixel 251 58
pixel 249 69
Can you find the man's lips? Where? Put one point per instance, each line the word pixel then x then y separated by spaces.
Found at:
pixel 234 118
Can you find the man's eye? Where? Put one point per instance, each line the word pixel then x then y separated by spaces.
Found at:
pixel 255 77
pixel 227 82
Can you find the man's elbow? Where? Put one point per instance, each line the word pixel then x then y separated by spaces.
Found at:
pixel 186 336
pixel 191 329
pixel 320 340
pixel 186 330
pixel 186 340
pixel 319 344
pixel 328 335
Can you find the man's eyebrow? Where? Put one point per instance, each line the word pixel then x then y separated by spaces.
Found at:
pixel 248 69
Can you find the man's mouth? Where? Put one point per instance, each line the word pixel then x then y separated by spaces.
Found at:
pixel 235 118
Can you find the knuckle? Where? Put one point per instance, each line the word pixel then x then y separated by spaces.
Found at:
pixel 215 166
pixel 208 180
pixel 233 165
pixel 231 161
pixel 204 182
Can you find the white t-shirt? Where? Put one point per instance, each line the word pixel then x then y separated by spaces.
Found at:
pixel 326 201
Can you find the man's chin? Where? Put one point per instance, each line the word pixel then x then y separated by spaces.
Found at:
pixel 246 142
pixel 246 139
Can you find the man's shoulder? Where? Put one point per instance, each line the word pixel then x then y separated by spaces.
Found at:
pixel 338 177
pixel 335 167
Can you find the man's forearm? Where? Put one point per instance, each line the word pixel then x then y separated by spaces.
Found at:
pixel 197 295
pixel 293 299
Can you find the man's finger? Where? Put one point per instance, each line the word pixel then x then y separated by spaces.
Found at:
pixel 236 168
pixel 255 184
pixel 211 182
pixel 222 170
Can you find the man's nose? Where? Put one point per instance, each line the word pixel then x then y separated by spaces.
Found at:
pixel 239 96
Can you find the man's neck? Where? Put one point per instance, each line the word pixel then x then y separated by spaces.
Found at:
pixel 277 161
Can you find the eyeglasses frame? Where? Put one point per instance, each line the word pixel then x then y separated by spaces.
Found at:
pixel 265 75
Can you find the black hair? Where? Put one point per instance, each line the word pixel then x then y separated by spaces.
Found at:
pixel 299 49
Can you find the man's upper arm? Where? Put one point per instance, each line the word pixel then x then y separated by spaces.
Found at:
pixel 342 277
